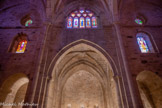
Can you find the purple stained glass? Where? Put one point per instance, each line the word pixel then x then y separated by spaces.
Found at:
pixel 87 11
pixel 75 23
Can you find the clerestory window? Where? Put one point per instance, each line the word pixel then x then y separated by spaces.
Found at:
pixel 82 19
pixel 19 43
pixel 144 43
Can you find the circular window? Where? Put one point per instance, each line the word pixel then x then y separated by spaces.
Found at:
pixel 26 21
pixel 139 21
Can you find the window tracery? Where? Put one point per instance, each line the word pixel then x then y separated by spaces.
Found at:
pixel 82 19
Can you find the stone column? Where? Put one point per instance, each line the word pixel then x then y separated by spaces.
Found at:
pixel 33 93
pixel 126 68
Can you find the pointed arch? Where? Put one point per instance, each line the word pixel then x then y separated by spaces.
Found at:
pixel 19 43
pixel 87 56
pixel 13 89
pixel 89 43
pixel 150 88
pixel 146 43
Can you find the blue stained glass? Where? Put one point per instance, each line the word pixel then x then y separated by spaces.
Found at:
pixel 82 25
pixel 142 45
pixel 81 11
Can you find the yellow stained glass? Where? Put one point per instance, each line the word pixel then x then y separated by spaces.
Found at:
pixel 21 46
pixel 82 25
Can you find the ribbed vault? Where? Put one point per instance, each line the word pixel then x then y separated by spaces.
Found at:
pixel 92 69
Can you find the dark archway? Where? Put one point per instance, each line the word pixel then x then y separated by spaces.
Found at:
pixel 13 90
pixel 150 87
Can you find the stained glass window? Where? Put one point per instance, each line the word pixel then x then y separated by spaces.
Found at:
pixel 82 23
pixel 142 44
pixel 73 14
pixel 82 19
pixel 21 46
pixel 90 14
pixel 75 22
pixel 139 21
pixel 145 43
pixel 81 11
pixel 94 22
pixel 69 22
pixel 28 22
pixel 78 14
pixel 84 15
pixel 87 11
pixel 88 22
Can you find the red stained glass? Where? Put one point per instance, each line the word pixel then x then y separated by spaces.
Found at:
pixel 21 46
pixel 69 22
pixel 94 22
pixel 75 25
pixel 88 22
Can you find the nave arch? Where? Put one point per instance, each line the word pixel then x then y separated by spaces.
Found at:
pixel 83 64
pixel 13 90
pixel 150 88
